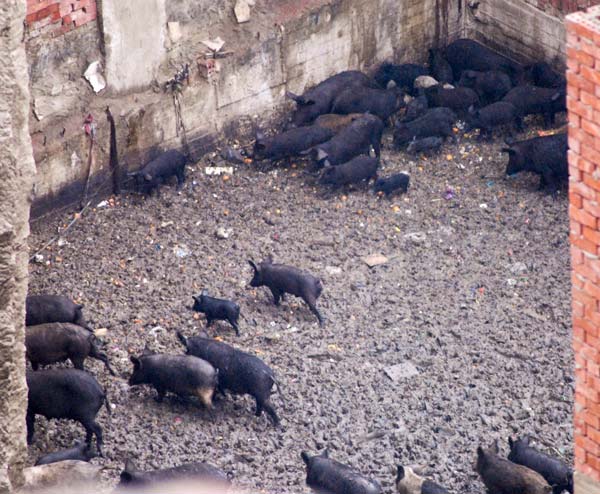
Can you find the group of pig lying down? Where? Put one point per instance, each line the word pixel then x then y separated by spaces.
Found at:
pixel 337 126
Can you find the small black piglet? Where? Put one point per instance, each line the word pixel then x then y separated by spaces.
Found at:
pixel 326 475
pixel 217 309
pixel 282 279
pixel 81 451
pixel 556 472
pixel 154 173
pixel 389 185
pixel 42 309
pixel 356 170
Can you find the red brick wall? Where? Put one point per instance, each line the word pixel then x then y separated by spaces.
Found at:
pixel 562 6
pixel 58 16
pixel 583 102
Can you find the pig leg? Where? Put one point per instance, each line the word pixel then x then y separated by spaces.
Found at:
pixel 93 429
pixel 277 295
pixel 102 357
pixel 180 178
pixel 312 305
pixel 30 419
pixel 161 394
pixel 35 365
pixel 267 407
pixel 209 321
pixel 234 323
pixel 206 395
pixel 77 362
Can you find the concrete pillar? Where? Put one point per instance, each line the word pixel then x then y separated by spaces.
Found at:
pixel 583 102
pixel 16 175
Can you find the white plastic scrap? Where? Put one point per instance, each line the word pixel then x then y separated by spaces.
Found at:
pixel 93 75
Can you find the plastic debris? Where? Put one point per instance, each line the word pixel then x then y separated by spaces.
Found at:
pixel 93 74
pixel 218 170
pixel 38 259
pixel 214 44
pixel 242 11
pixel 181 251
pixel 223 233
pixel 102 204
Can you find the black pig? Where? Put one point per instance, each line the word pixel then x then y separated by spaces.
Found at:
pixel 531 100
pixel 546 156
pixel 131 476
pixel 182 375
pixel 415 108
pixel 357 138
pixel 403 75
pixel 459 99
pixel 466 54
pixel 490 86
pixel 434 122
pixel 81 451
pixel 318 100
pixel 153 174
pixel 56 342
pixel 239 372
pixel 381 102
pixel 408 482
pixel 439 67
pixel 425 144
pixel 354 171
pixel 41 309
pixel 217 309
pixel 326 475
pixel 282 279
pixel 501 476
pixel 541 74
pixel 66 394
pixel 491 116
pixel 391 184
pixel 556 473
pixel 289 143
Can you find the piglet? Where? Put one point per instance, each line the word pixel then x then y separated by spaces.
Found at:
pixel 408 482
pixel 217 309
pixel 239 372
pixel 131 476
pixel 282 279
pixel 326 475
pixel 41 309
pixel 81 451
pixel 556 472
pixel 389 185
pixel 153 174
pixel 183 375
pixel 502 476
pixel 491 116
pixel 354 171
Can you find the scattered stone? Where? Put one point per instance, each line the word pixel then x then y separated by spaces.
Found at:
pixel 405 370
pixel 242 11
pixel 214 44
pixel 375 260
pixel 38 259
pixel 181 251
pixel 66 472
pixel 333 270
pixel 511 282
pixel 518 267
pixel 174 29
pixel 416 237
pixel 224 233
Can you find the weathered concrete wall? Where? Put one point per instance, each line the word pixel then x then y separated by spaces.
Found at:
pixel 287 45
pixel 134 42
pixel 16 174
pixel 529 29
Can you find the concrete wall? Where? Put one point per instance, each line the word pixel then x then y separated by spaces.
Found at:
pixel 287 45
pixel 529 29
pixel 16 174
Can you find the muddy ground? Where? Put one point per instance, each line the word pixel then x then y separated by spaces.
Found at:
pixel 474 299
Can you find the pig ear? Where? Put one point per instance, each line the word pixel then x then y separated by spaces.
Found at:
pixel 321 155
pixel 147 351
pixel 137 364
pixel 508 150
pixel 294 97
pixel 480 452
pixel 511 442
pixel 253 266
pixel 495 447
pixel 526 439
pixel 197 299
pixel 400 473
pixel 305 457
pixel 325 453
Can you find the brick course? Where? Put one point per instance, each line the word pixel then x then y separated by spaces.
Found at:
pixel 583 102
pixel 57 17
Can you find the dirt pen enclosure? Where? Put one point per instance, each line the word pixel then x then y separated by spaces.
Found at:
pixel 472 303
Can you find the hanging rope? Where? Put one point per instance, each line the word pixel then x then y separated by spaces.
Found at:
pixel 175 86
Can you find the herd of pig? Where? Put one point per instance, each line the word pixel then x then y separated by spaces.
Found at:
pixel 339 124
